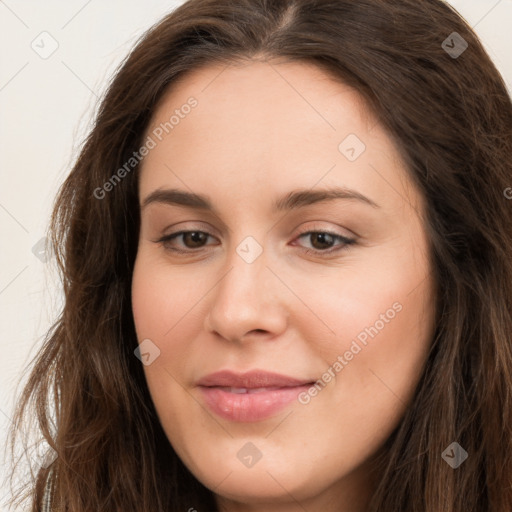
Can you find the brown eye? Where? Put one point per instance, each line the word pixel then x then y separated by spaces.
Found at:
pixel 190 240
pixel 323 241
pixel 194 239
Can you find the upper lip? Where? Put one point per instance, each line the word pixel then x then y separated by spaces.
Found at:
pixel 250 379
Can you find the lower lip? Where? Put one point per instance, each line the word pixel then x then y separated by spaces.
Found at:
pixel 249 407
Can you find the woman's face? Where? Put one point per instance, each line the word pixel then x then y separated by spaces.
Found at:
pixel 316 306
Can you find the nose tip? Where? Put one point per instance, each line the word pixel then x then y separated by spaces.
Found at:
pixel 246 302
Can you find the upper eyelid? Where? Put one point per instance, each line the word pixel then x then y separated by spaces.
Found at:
pixel 207 231
pixel 210 230
pixel 301 234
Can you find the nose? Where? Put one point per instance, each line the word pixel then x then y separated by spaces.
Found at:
pixel 248 302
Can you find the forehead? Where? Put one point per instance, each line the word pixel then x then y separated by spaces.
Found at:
pixel 266 125
pixel 264 95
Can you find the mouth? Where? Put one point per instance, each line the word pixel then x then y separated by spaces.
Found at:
pixel 241 391
pixel 249 397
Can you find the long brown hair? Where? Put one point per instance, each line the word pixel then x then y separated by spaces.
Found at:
pixel 451 118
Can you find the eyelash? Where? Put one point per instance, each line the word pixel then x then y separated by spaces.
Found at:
pixel 346 242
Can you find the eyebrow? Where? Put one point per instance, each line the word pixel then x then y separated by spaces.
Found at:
pixel 291 201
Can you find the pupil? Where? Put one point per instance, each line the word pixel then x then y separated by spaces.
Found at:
pixel 322 236
pixel 195 236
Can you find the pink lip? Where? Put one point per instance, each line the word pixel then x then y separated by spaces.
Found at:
pixel 250 403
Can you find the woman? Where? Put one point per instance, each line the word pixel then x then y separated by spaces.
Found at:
pixel 213 353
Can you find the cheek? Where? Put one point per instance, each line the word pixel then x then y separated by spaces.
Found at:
pixel 384 328
pixel 383 302
pixel 166 311
pixel 162 307
pixel 161 297
pixel 373 363
pixel 377 319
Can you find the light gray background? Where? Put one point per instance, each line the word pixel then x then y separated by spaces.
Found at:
pixel 46 108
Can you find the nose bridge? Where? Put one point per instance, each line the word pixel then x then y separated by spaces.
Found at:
pixel 246 277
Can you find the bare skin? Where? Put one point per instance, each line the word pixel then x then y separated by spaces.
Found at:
pixel 259 131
